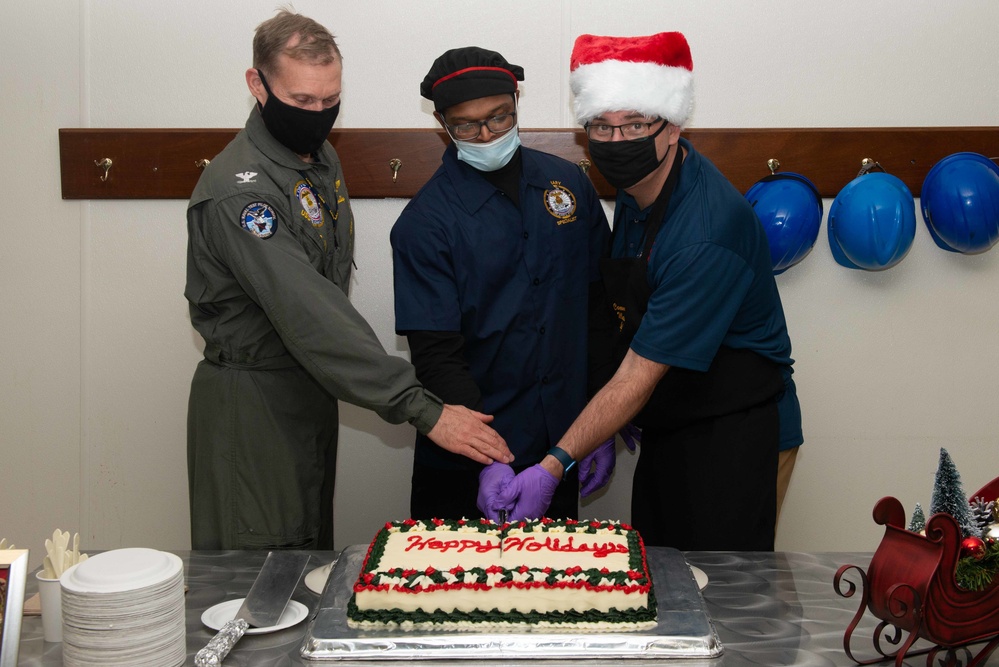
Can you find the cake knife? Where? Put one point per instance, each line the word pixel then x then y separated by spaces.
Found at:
pixel 502 520
pixel 263 606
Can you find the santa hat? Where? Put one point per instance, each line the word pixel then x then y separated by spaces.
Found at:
pixel 652 75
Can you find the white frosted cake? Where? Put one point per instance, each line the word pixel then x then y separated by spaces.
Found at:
pixel 475 575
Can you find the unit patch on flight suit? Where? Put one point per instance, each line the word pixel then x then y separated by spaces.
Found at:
pixel 561 203
pixel 311 210
pixel 258 218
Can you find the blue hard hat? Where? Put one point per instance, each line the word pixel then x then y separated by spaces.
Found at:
pixel 790 208
pixel 960 202
pixel 872 222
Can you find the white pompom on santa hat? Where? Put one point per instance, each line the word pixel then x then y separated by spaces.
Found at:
pixel 652 75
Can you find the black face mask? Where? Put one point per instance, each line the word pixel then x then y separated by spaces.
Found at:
pixel 624 163
pixel 301 130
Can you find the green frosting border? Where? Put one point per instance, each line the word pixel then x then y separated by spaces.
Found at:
pixel 437 617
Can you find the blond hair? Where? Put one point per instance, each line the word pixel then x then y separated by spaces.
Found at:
pixel 315 44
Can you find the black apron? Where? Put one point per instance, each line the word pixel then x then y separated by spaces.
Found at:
pixel 737 379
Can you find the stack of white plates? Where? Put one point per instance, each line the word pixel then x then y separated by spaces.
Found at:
pixel 124 607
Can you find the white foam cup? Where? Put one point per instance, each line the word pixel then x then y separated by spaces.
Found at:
pixel 50 594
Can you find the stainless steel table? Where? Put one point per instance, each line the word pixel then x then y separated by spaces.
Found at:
pixel 771 609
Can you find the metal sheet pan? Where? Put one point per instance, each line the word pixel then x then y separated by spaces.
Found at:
pixel 684 629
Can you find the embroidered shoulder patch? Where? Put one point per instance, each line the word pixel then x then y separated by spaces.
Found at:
pixel 259 219
pixel 560 202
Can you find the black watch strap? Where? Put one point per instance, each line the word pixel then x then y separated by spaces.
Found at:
pixel 563 457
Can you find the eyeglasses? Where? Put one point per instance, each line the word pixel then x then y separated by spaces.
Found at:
pixel 496 124
pixel 630 131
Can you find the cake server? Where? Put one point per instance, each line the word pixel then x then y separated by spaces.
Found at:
pixel 263 606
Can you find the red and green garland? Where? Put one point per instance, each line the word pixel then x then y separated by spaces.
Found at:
pixel 978 567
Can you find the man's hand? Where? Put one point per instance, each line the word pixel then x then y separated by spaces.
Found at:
pixel 493 480
pixel 529 494
pixel 465 432
pixel 596 468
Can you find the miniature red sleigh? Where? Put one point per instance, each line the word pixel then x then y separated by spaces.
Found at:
pixel 910 586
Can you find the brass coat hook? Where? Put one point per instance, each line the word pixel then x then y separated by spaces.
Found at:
pixel 773 164
pixel 584 164
pixel 395 164
pixel 867 164
pixel 104 164
pixel 202 163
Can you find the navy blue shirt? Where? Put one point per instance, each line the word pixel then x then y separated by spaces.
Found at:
pixel 514 282
pixel 712 280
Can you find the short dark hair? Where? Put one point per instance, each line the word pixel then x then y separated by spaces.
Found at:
pixel 315 44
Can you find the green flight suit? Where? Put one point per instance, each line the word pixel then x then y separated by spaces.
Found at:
pixel 270 251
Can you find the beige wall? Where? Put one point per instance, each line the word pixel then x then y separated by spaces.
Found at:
pixel 98 350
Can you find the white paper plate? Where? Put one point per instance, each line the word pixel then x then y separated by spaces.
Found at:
pixel 315 581
pixel 223 612
pixel 121 570
pixel 699 577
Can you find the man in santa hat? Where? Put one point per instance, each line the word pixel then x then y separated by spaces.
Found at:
pixel 694 342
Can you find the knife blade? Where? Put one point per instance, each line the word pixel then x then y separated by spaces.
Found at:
pixel 502 519
pixel 263 606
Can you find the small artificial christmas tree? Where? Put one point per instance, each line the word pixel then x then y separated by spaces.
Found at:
pixel 949 497
pixel 918 523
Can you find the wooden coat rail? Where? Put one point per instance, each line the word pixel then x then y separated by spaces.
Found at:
pixel 166 163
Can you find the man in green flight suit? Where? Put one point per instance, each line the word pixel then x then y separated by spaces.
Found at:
pixel 271 239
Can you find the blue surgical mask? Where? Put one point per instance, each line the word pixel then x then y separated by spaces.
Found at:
pixel 492 155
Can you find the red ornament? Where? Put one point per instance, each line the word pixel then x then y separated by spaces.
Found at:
pixel 973 547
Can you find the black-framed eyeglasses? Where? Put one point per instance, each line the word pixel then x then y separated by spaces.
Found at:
pixel 630 131
pixel 496 125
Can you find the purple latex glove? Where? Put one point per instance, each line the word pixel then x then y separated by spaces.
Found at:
pixel 596 468
pixel 529 494
pixel 632 436
pixel 493 480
